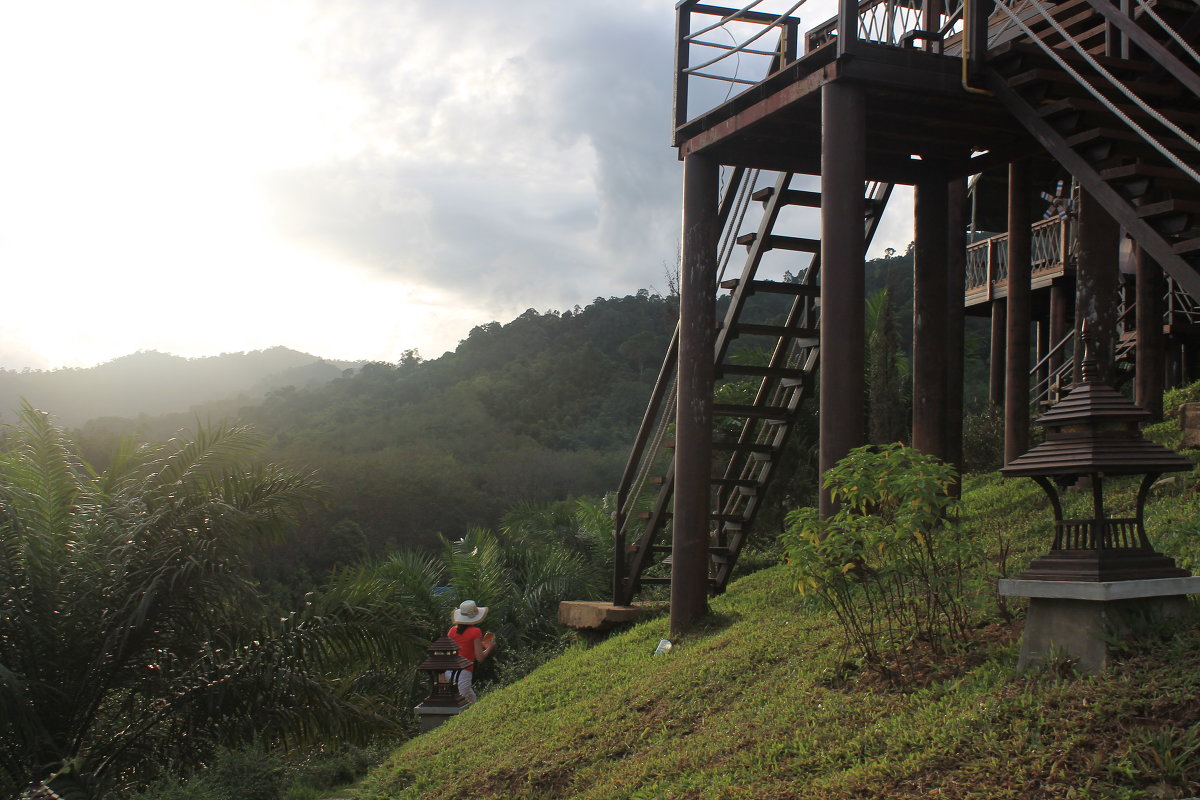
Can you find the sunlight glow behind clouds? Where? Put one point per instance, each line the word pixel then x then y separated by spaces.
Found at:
pixel 351 179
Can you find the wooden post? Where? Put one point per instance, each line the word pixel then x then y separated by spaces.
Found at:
pixel 1016 378
pixel 1150 374
pixel 1059 324
pixel 1097 284
pixel 929 316
pixel 847 31
pixel 996 353
pixel 843 284
pixel 956 279
pixel 693 420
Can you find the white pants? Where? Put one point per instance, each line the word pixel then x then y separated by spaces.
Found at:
pixel 464 685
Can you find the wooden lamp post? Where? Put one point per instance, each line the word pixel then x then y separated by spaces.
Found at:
pixel 1101 568
pixel 443 664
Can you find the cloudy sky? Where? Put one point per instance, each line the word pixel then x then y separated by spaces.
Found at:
pixel 351 178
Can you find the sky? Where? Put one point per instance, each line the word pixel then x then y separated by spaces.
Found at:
pixel 349 178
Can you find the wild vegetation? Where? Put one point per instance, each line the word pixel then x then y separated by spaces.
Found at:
pixel 167 593
pixel 774 697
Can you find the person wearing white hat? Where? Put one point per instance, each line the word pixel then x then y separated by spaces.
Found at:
pixel 473 644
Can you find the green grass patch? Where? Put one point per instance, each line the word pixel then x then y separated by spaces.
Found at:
pixel 764 701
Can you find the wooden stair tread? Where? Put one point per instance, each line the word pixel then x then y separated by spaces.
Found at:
pixel 774 287
pixel 1056 76
pixel 1090 105
pixel 753 370
pixel 751 412
pixel 755 329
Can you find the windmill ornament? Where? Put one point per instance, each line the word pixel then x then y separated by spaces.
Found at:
pixel 1058 204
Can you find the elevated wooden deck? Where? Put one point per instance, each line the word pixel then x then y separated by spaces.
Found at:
pixel 920 118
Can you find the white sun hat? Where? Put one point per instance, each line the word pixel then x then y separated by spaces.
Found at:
pixel 468 613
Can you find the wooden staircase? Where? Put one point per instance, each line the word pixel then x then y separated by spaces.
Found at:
pixel 1125 127
pixel 750 432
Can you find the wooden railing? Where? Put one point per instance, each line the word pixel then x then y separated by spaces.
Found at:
pixel 1099 534
pixel 1052 248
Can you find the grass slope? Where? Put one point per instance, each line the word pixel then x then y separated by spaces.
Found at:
pixel 763 703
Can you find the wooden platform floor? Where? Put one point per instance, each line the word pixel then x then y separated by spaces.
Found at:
pixel 920 118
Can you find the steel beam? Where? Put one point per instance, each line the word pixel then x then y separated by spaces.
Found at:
pixel 843 284
pixel 693 420
pixel 1016 377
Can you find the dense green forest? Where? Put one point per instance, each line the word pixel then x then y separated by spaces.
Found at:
pixel 540 409
pixel 308 543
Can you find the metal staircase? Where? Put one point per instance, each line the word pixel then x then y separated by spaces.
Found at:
pixel 1125 125
pixel 751 431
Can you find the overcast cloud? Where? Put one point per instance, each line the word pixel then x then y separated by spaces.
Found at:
pixel 350 178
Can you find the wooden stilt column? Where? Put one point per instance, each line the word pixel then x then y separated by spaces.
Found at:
pixel 996 353
pixel 1097 284
pixel 1041 330
pixel 956 279
pixel 1016 377
pixel 929 317
pixel 843 285
pixel 1059 325
pixel 1150 374
pixel 693 420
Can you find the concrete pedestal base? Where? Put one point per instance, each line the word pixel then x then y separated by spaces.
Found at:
pixel 432 716
pixel 1079 620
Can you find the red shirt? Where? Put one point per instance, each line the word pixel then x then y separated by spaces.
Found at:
pixel 466 642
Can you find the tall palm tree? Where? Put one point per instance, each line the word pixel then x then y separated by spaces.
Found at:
pixel 130 637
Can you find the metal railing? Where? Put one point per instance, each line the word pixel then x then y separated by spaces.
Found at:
pixel 767 39
pixel 894 22
pixel 1057 371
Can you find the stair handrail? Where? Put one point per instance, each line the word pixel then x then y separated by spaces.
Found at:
pixel 1041 389
pixel 656 419
pixel 1171 32
pixel 1152 46
pixel 1085 84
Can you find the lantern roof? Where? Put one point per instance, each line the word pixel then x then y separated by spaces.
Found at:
pixel 1094 429
pixel 443 655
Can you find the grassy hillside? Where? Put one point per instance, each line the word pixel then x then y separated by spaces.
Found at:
pixel 766 702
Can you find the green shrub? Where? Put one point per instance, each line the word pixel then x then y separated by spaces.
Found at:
pixel 891 563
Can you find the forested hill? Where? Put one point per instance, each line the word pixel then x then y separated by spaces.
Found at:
pixel 150 382
pixel 538 409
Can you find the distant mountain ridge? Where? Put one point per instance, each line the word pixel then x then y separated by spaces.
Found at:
pixel 150 382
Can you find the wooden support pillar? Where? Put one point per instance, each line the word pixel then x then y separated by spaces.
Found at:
pixel 1059 324
pixel 1150 373
pixel 1097 285
pixel 929 316
pixel 996 353
pixel 1016 377
pixel 843 283
pixel 693 419
pixel 956 275
pixel 1041 330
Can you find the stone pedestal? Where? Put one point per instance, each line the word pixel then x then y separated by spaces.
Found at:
pixel 1079 619
pixel 431 716
pixel 1189 426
